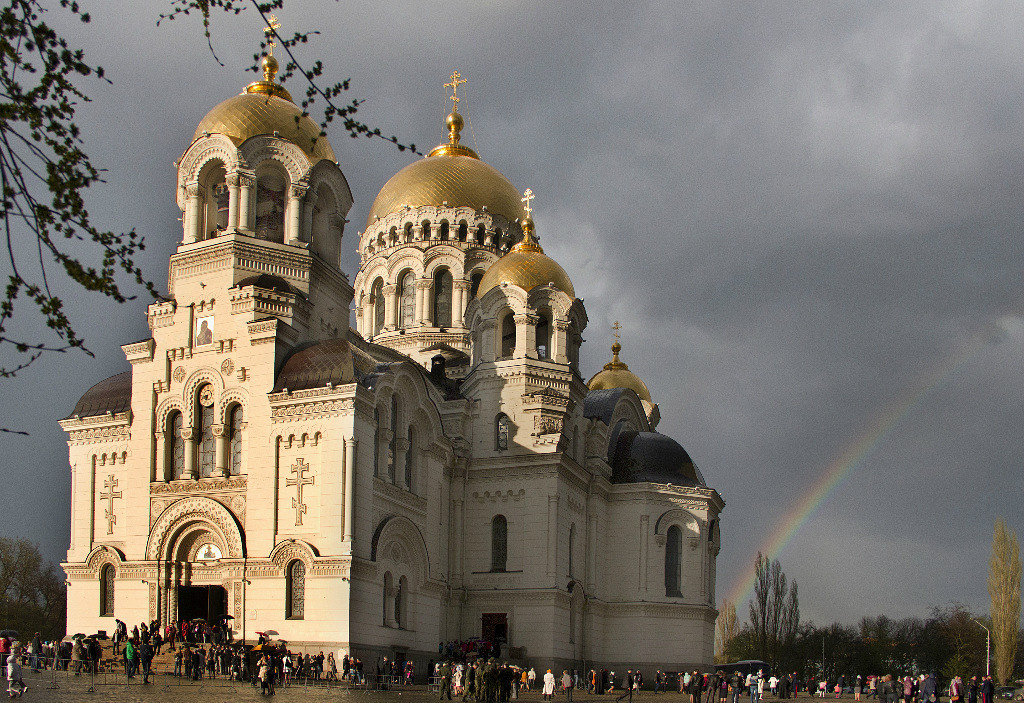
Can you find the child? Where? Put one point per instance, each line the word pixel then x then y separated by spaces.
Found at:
pixel 14 680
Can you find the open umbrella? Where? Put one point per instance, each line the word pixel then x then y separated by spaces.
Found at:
pixel 9 634
pixel 78 636
pixel 198 619
pixel 227 617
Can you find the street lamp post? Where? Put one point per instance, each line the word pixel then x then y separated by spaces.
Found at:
pixel 988 647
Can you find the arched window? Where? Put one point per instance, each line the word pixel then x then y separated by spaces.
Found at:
pixel 408 232
pixel 377 301
pixel 177 444
pixel 544 335
pixel 481 235
pixel 502 430
pixel 207 442
pixel 271 184
pixel 235 435
pixel 221 197
pixel 443 298
pixel 426 229
pixel 508 336
pixel 296 590
pixel 410 459
pixel 107 575
pixel 407 296
pixel 443 233
pixel 393 444
pixel 572 547
pixel 463 231
pixel 499 543
pixel 401 595
pixel 213 193
pixel 474 283
pixel 673 551
pixel 389 583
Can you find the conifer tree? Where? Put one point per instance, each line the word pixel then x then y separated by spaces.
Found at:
pixel 1004 571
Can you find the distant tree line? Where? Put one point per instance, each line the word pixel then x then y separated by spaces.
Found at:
pixel 33 596
pixel 950 641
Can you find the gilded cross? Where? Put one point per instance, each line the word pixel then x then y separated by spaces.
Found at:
pixel 272 26
pixel 616 327
pixel 527 198
pixel 110 483
pixel 457 80
pixel 299 480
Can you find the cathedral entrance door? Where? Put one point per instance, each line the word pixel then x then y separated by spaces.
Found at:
pixel 207 602
pixel 494 627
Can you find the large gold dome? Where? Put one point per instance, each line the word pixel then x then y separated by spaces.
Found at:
pixel 527 266
pixel 452 175
pixel 264 108
pixel 617 375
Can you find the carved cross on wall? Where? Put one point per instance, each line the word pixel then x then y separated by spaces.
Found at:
pixel 299 480
pixel 110 483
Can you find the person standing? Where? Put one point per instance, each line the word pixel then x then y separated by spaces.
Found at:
pixel 987 689
pixel 549 685
pixel 146 657
pixel 972 690
pixel 567 685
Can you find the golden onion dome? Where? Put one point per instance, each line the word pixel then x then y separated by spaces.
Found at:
pixel 265 107
pixel 452 175
pixel 527 266
pixel 617 375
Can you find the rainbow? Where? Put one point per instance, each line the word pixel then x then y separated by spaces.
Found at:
pixel 852 456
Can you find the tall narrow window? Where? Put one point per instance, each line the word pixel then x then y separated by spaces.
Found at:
pixel 443 232
pixel 207 442
pixel 499 543
pixel 296 590
pixel 481 235
pixel 508 336
pixel 673 551
pixel 270 189
pixel 378 441
pixel 221 195
pixel 388 587
pixel 177 447
pixel 463 231
pixel 572 547
pixel 107 591
pixel 474 283
pixel 393 444
pixel 407 296
pixel 377 301
pixel 235 429
pixel 426 230
pixel 410 458
pixel 400 602
pixel 544 335
pixel 443 298
pixel 502 430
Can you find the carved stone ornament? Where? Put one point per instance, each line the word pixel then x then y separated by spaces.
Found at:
pixel 206 397
pixel 227 366
pixel 179 374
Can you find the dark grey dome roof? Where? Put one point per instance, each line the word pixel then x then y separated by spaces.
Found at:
pixel 112 395
pixel 652 457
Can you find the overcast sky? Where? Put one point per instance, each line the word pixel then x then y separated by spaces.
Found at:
pixel 797 212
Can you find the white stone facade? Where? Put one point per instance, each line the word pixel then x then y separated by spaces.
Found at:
pixel 350 488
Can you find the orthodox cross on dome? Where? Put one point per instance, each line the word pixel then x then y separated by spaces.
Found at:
pixel 527 198
pixel 270 30
pixel 457 80
pixel 299 480
pixel 615 330
pixel 110 483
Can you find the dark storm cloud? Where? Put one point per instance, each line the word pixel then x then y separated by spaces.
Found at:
pixel 796 211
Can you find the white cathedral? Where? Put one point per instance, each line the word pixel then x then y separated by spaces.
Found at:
pixel 441 472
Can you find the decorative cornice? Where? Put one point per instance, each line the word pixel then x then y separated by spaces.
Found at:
pixel 203 485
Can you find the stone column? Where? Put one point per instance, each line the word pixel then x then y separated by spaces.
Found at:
pixel 391 303
pixel 526 336
pixel 191 468
pixel 560 342
pixel 160 462
pixel 232 182
pixel 423 292
pixel 293 215
pixel 350 473
pixel 192 220
pixel 460 291
pixel 220 452
pixel 245 185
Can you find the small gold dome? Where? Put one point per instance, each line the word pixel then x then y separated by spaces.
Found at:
pixel 452 173
pixel 527 266
pixel 617 375
pixel 264 108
